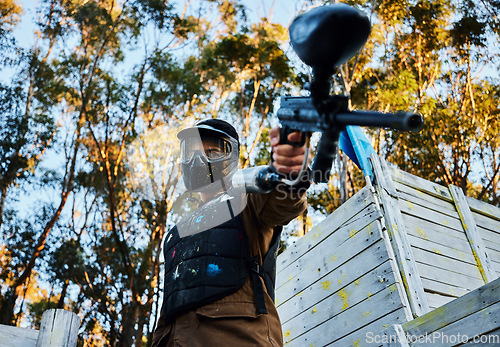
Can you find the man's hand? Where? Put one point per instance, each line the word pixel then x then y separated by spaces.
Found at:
pixel 287 158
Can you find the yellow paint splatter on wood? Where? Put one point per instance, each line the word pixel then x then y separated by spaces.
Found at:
pixel 445 222
pixel 365 314
pixel 437 251
pixel 314 310
pixel 393 288
pixel 410 205
pixel 421 233
pixel 343 295
pixel 480 266
pixel 403 278
pixel 326 285
pixel 352 232
pixel 356 282
pixel 286 335
pixel 340 282
pixel 385 326
pixel 356 343
pixel 395 227
pixel 369 295
pixel 334 258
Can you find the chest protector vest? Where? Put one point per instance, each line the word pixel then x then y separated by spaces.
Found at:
pixel 209 265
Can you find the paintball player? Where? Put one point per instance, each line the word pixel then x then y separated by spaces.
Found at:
pixel 220 260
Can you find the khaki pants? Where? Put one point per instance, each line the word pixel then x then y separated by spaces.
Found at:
pixel 193 329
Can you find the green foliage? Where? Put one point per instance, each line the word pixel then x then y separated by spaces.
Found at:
pixel 36 310
pixel 431 61
pixel 23 137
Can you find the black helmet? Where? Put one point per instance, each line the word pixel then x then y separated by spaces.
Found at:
pixel 209 155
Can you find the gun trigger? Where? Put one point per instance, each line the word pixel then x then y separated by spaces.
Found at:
pixel 285 131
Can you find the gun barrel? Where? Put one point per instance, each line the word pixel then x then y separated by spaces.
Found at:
pixel 308 119
pixel 406 121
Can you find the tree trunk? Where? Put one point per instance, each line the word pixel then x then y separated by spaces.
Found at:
pixel 7 307
pixel 142 314
pixel 129 318
pixel 3 197
pixel 60 303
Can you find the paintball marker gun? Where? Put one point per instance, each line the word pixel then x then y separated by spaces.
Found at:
pixel 324 38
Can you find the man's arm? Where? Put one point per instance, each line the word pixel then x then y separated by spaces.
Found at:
pixel 283 204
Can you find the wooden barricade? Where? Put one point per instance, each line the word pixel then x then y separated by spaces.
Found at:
pixel 59 328
pixel 400 249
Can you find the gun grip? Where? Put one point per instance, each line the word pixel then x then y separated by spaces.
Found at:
pixel 285 131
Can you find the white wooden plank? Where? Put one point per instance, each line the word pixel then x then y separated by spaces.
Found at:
pixel 402 287
pixel 340 325
pixel 442 288
pixel 13 336
pixel 492 247
pixel 420 184
pixel 494 253
pixel 376 333
pixel 337 301
pixel 448 277
pixel 444 250
pixel 432 216
pixel 455 310
pixel 476 324
pixel 484 208
pixel 437 260
pixel 399 240
pixel 437 300
pixel 349 210
pixel 59 328
pixel 492 243
pixel 413 196
pixel 490 237
pixel 313 268
pixel 490 339
pixel 495 260
pixel 475 239
pixel 486 222
pixel 437 233
pixel 331 249
pixel 350 272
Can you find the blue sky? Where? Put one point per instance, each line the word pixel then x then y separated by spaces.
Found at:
pixel 284 12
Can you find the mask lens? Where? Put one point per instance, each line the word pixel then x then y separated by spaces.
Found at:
pixel 216 148
pixel 213 148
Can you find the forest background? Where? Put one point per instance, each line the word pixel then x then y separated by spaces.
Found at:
pixel 89 111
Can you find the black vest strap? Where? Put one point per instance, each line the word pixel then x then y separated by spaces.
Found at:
pixel 269 262
pixel 256 273
pixel 267 271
